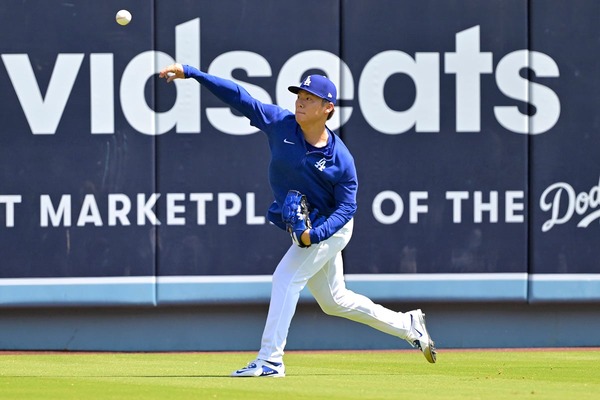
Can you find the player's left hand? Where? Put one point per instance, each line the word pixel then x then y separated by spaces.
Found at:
pixel 294 214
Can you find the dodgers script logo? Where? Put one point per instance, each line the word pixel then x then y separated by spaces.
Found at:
pixel 554 197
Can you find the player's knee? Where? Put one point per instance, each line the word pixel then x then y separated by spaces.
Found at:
pixel 330 309
pixel 333 307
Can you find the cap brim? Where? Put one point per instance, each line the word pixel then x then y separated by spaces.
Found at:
pixel 296 89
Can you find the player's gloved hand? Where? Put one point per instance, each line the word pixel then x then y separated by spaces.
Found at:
pixel 294 213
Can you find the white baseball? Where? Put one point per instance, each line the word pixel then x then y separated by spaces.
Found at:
pixel 123 17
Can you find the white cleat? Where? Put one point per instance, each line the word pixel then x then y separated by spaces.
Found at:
pixel 261 369
pixel 420 337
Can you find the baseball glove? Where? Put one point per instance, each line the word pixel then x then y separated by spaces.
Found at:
pixel 295 215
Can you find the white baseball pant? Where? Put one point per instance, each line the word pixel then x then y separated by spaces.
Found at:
pixel 320 266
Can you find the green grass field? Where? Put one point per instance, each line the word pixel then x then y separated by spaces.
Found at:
pixel 553 374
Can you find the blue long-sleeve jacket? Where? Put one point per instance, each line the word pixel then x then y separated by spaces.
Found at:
pixel 327 176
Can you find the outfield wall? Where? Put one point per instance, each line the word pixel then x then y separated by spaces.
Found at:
pixel 473 125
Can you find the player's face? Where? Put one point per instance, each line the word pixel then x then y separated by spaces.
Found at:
pixel 309 108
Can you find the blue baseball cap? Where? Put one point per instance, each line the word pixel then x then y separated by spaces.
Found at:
pixel 318 85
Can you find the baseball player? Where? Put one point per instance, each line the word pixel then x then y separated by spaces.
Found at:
pixel 313 179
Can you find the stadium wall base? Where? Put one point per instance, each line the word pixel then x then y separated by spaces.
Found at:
pixel 233 327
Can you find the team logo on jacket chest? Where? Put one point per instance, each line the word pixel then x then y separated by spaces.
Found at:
pixel 320 165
